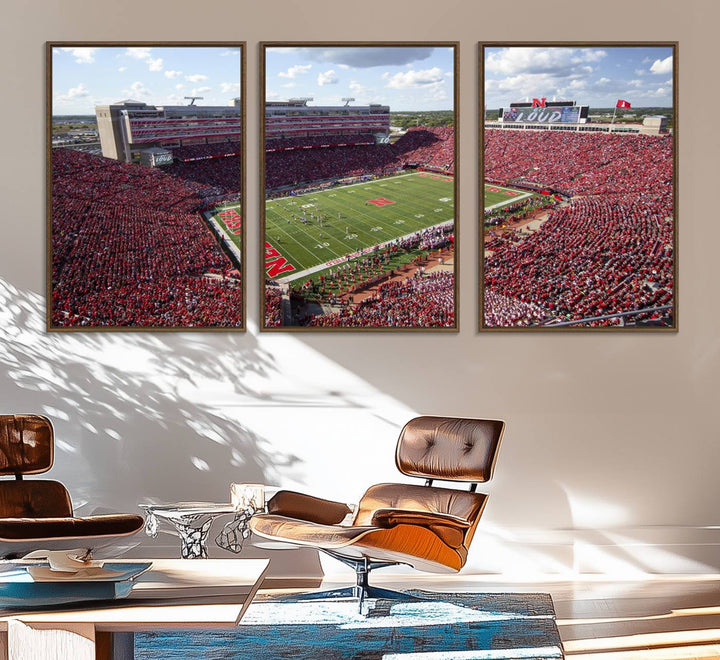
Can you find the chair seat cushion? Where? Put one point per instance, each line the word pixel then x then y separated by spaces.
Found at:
pixel 417 546
pixel 23 529
pixel 305 532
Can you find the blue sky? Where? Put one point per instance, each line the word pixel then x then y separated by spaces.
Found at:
pixel 405 78
pixel 596 76
pixel 84 77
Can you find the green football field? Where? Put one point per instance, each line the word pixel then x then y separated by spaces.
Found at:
pixel 497 196
pixel 305 231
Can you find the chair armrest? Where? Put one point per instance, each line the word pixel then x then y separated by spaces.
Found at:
pixel 392 517
pixel 451 529
pixel 306 507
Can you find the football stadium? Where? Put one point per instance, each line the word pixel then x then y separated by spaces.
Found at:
pixel 149 234
pixel 578 224
pixel 359 227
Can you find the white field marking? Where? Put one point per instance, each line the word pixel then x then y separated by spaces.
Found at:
pixel 350 185
pixel 509 201
pixel 280 228
pixel 223 230
pixel 368 250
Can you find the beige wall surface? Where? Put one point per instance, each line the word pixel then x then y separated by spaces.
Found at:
pixel 610 462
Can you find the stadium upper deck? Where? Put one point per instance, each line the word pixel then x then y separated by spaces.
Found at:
pixel 130 127
pixel 296 119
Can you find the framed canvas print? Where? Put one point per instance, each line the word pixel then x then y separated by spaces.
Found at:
pixel 579 172
pixel 359 186
pixel 145 156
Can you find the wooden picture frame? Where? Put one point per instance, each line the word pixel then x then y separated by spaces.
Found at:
pixel 585 144
pixel 334 259
pixel 145 196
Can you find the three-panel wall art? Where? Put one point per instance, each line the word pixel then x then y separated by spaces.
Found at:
pixel 571 156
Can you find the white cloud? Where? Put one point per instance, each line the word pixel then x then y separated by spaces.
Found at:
pixel 196 78
pixel 82 55
pixel 201 90
pixel 662 66
pixel 364 57
pixel 359 90
pixel 179 86
pixel 73 94
pixel 557 61
pixel 137 91
pixel 295 71
pixel 414 79
pixel 138 53
pixel 172 74
pixel 230 88
pixel 327 78
pixel 122 68
pixel 155 65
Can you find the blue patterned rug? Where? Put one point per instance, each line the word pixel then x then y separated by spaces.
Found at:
pixel 441 626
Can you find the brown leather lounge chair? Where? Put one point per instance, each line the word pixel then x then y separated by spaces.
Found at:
pixel 37 514
pixel 427 527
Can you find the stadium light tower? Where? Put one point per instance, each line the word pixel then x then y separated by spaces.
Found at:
pixel 195 98
pixel 347 100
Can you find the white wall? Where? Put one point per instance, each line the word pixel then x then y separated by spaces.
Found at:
pixel 611 456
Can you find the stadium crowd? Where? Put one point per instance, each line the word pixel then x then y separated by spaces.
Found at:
pixel 129 248
pixel 420 146
pixel 608 251
pixel 273 305
pixel 581 163
pixel 204 151
pixel 423 301
pixel 316 141
pixel 219 177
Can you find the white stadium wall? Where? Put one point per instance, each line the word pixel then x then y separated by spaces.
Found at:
pixel 610 459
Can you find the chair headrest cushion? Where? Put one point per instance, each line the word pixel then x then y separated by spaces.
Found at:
pixel 449 448
pixel 26 444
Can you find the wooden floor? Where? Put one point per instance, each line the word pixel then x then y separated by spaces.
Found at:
pixel 658 618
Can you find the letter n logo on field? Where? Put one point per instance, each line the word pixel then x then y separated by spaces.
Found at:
pixel 380 201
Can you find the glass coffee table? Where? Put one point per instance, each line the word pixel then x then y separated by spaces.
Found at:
pixel 192 521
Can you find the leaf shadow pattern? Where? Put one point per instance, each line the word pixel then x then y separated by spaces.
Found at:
pixel 133 412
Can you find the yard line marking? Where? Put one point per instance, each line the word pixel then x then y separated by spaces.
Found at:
pixel 359 253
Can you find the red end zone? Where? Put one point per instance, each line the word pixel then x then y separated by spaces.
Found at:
pixel 232 220
pixel 275 263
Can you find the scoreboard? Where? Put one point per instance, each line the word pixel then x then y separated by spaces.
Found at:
pixel 551 113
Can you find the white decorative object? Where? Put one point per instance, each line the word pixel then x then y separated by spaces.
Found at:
pixel 243 496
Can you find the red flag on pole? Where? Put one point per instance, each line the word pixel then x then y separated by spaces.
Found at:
pixel 623 104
